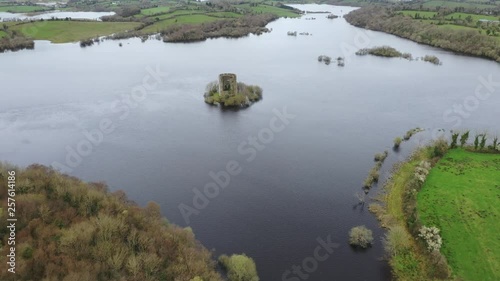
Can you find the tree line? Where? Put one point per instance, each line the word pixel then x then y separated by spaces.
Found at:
pixel 385 19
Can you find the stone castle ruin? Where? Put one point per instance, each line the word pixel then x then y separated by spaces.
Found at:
pixel 227 84
pixel 227 92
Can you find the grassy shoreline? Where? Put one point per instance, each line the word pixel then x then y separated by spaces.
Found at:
pixel 408 202
pixel 410 262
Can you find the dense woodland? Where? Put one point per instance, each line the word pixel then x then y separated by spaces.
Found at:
pixel 75 231
pixel 470 42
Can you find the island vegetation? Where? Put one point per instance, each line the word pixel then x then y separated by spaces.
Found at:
pixel 72 230
pixel 390 52
pixel 437 207
pixel 242 96
pixel 383 51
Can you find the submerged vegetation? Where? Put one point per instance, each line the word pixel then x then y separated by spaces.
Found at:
pixel 374 174
pixel 71 230
pixel 412 132
pixel 380 157
pixel 327 60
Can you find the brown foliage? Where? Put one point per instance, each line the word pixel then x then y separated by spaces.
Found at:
pixel 71 230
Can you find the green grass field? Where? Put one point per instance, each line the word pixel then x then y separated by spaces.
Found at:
pixel 453 16
pixel 71 31
pixel 423 14
pixel 474 17
pixel 270 9
pixel 449 4
pixel 194 19
pixel 22 9
pixel 183 19
pixel 459 27
pixel 225 15
pixel 449 23
pixel 2 34
pixel 153 11
pixel 180 13
pixel 158 26
pixel 461 197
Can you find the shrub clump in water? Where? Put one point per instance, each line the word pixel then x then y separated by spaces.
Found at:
pixel 239 267
pixel 432 59
pixel 360 236
pixel 326 59
pixel 397 142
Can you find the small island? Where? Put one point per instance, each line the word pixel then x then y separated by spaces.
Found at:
pixel 390 52
pixel 227 92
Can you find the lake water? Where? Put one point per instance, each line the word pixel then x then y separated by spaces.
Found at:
pixel 4 16
pixel 300 187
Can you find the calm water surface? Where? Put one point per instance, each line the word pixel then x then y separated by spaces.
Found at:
pixel 300 186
